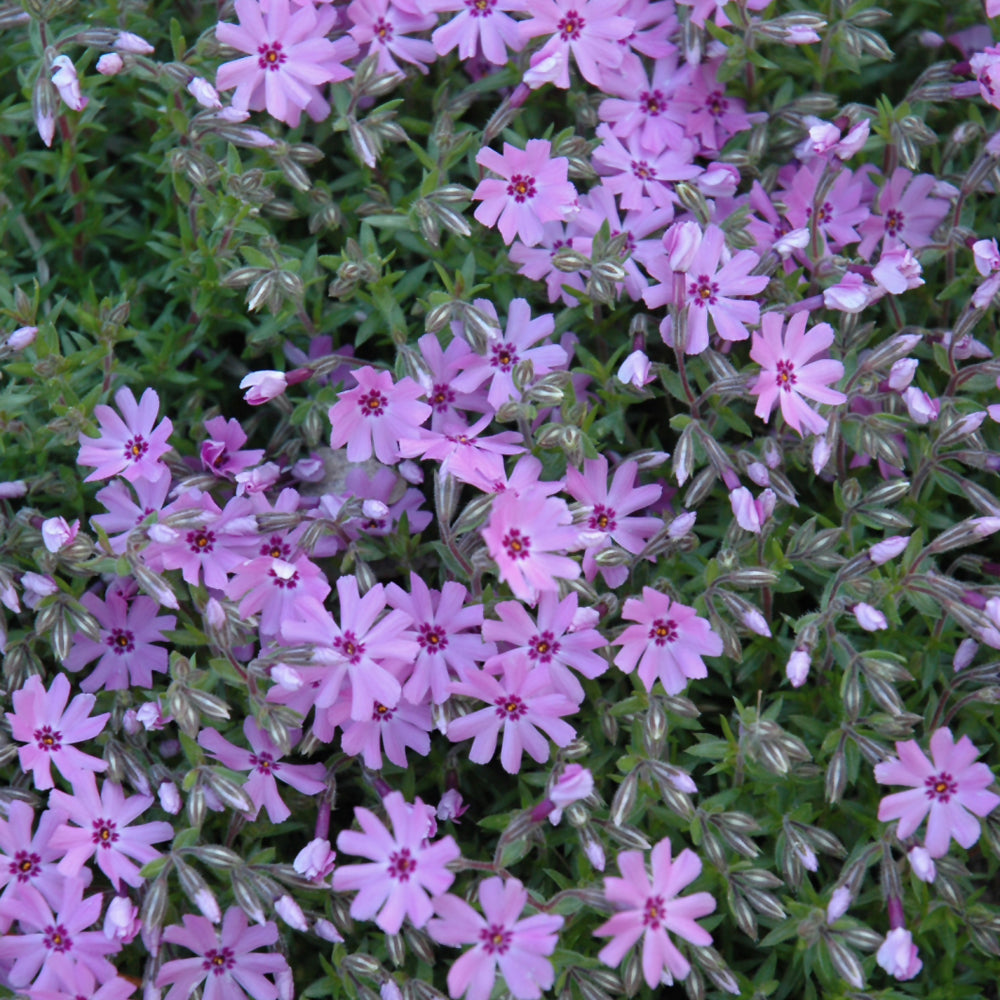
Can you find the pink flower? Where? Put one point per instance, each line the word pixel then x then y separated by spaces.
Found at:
pixel 898 955
pixel 42 721
pixel 526 537
pixel 228 959
pixel 131 446
pixel 589 29
pixel 66 82
pixel 520 703
pixel 405 868
pixel 797 668
pixel 882 552
pixel 752 513
pixel 264 762
pixel 480 25
pixel 383 26
pixel 650 908
pixel 534 189
pixel 316 860
pixel 262 386
pixel 946 791
pixel 288 59
pixel 869 618
pixel 102 829
pixel 26 859
pixel 57 534
pixel 668 643
pixel 376 415
pixel 127 650
pixel 575 783
pixel 636 370
pixel 787 375
pixel 518 948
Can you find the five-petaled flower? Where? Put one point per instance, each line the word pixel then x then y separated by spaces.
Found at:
pixel 648 908
pixel 788 377
pixel 951 791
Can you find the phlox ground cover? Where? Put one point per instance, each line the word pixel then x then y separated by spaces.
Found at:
pixel 498 498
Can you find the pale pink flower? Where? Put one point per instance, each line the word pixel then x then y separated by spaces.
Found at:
pixel 65 80
pixel 921 407
pixel 405 868
pixel 869 618
pixel 384 27
pixel 752 513
pixel 668 643
pixel 922 864
pixel 886 550
pixel 950 792
pixel 57 534
pixel 787 373
pixel 480 25
pixel 519 949
pixel 636 370
pixel 262 386
pixel 797 668
pixel 650 907
pixel 898 955
pixel 129 447
pixel 110 64
pixel 839 904
pixel 533 189
pixel 288 59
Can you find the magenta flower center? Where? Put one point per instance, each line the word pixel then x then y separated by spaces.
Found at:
pixel 218 960
pixel 511 708
pixel 441 396
pixel 704 291
pixel 543 647
pixel 654 912
pixel 373 403
pixel 663 630
pixel 104 834
pixel 432 637
pixel 276 548
pixel 504 357
pixel 381 713
pixel 603 518
pixel 643 170
pixel 824 214
pixel 495 939
pixel 786 376
pixel 571 26
pixel 940 786
pixel 521 188
pixel 383 31
pixel 402 865
pixel 348 646
pixel 135 448
pixel 25 866
pixel 201 540
pixel 480 8
pixel 893 221
pixel 121 641
pixel 282 583
pixel 57 939
pixel 518 546
pixel 265 763
pixel 652 102
pixel 48 739
pixel 716 103
pixel 270 56
pixel 630 244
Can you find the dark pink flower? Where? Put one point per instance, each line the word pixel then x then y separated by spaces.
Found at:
pixel 951 791
pixel 228 959
pixel 274 587
pixel 521 701
pixel 649 908
pixel 42 721
pixel 405 869
pixel 221 453
pixel 788 376
pixel 534 189
pixel 263 760
pixel 668 643
pixel 127 648
pixel 376 415
pixel 102 830
pixel 518 948
pixel 124 512
pixel 392 729
pixel 131 447
pixel 288 59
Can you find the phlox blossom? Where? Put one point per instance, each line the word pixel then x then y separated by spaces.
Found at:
pixel 668 643
pixel 950 792
pixel 384 27
pixel 42 721
pixel 534 188
pixel 288 59
pixel 131 447
pixel 788 377
pixel 480 25
pixel 518 948
pixel 376 415
pixel 521 701
pixel 228 960
pixel 405 868
pixel 649 907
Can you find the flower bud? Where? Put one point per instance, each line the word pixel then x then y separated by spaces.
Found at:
pixel 797 669
pixel 65 80
pixel 110 64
